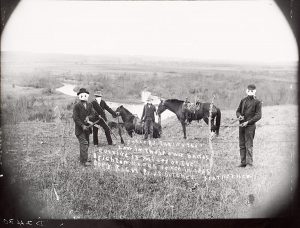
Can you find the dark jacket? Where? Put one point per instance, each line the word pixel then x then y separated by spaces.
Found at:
pixel 79 115
pixel 148 112
pixel 100 109
pixel 250 108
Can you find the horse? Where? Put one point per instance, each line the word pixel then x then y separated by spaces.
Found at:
pixel 133 124
pixel 112 126
pixel 201 112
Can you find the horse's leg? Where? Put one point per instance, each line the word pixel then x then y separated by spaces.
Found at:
pixel 205 120
pixel 212 126
pixel 120 134
pixel 129 131
pixel 183 128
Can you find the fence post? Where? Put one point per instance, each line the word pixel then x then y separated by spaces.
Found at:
pixel 211 161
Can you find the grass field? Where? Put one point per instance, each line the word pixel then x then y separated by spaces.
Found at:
pixel 40 151
pixel 41 157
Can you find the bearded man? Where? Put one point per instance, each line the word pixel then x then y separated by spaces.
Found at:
pixel 248 112
pixel 82 112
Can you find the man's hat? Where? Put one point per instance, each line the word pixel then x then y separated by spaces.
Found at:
pixel 251 87
pixel 98 94
pixel 82 90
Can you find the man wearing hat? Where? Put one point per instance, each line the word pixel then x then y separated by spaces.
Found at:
pixel 148 117
pixel 248 112
pixel 82 112
pixel 100 106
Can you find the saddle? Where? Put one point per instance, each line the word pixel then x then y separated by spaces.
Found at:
pixel 192 107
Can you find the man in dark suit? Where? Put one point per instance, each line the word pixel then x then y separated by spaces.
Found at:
pixel 148 118
pixel 100 106
pixel 82 112
pixel 248 112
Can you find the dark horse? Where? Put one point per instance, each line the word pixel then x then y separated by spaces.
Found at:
pixel 201 112
pixel 133 124
pixel 112 126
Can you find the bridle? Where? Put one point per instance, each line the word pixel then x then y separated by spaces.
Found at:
pixel 162 103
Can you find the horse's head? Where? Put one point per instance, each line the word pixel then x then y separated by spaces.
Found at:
pixel 161 107
pixel 124 113
pixel 120 109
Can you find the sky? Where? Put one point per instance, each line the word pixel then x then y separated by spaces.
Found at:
pixel 235 31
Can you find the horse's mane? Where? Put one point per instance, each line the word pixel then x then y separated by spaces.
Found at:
pixel 181 101
pixel 128 113
pixel 174 100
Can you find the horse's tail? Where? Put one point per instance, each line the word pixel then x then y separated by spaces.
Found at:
pixel 218 121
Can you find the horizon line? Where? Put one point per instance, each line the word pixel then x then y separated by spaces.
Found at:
pixel 165 58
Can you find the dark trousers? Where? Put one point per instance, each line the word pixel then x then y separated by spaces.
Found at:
pixel 148 128
pixel 246 136
pixel 83 139
pixel 106 130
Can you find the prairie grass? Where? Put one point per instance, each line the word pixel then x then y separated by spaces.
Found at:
pixel 42 157
pixel 40 79
pixel 26 109
pixel 40 151
pixel 273 88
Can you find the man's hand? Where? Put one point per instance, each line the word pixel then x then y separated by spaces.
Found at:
pixel 85 128
pixel 244 124
pixel 241 117
pixel 86 119
pixel 101 118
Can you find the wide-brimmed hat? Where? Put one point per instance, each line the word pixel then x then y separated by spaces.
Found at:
pixel 98 94
pixel 82 90
pixel 251 87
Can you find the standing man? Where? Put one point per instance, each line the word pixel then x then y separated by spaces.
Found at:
pixel 100 106
pixel 82 112
pixel 248 112
pixel 148 117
